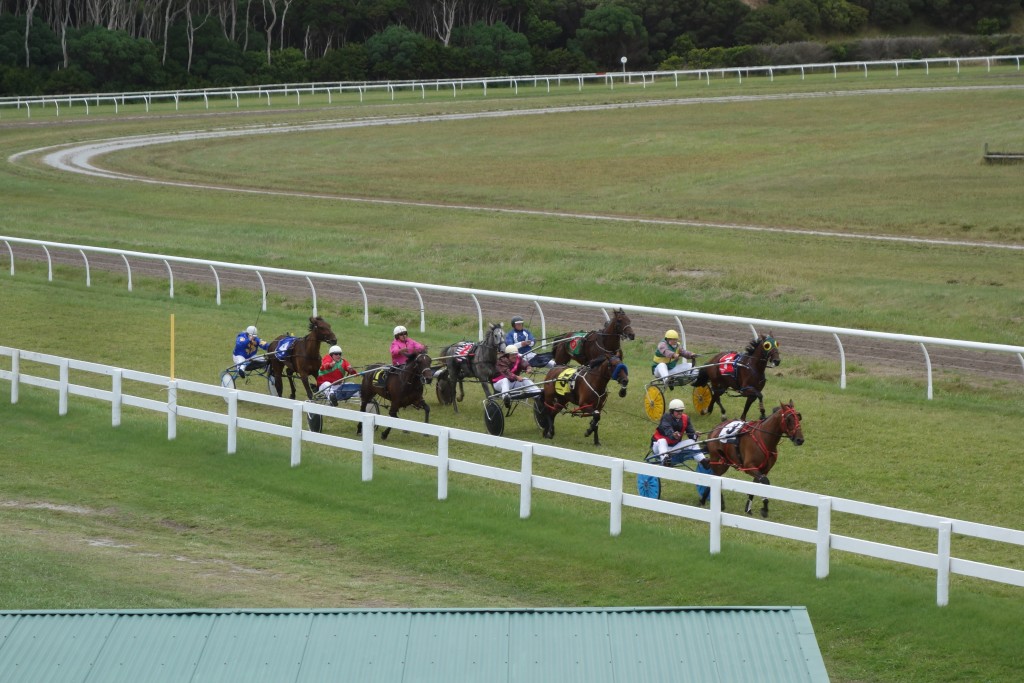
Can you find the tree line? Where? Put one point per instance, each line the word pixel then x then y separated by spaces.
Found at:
pixel 61 46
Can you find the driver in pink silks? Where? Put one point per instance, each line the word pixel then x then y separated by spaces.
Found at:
pixel 403 348
pixel 507 373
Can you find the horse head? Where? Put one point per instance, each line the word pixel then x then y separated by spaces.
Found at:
pixel 322 331
pixel 791 423
pixel 620 373
pixel 766 348
pixel 622 324
pixel 495 337
pixel 419 366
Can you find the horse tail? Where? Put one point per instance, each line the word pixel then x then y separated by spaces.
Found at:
pixel 702 378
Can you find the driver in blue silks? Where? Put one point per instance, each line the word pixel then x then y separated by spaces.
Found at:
pixel 247 343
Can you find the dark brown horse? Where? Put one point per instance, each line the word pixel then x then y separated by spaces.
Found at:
pixel 752 447
pixel 466 359
pixel 740 372
pixel 594 345
pixel 303 356
pixel 586 387
pixel 402 386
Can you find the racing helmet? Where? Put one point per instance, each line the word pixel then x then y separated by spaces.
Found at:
pixel 334 350
pixel 251 330
pixel 671 334
pixel 676 404
pixel 400 329
pixel 517 321
pixel 511 349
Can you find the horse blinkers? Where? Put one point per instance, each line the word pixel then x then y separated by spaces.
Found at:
pixel 770 349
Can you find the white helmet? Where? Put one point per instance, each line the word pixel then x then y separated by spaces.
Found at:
pixel 334 350
pixel 676 404
pixel 400 330
pixel 511 349
pixel 251 330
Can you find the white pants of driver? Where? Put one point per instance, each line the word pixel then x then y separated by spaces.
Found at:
pixel 505 385
pixel 664 451
pixel 661 370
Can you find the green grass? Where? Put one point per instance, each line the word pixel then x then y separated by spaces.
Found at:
pixel 156 523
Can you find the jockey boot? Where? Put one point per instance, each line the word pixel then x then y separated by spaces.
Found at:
pixel 241 373
pixel 333 400
pixel 508 401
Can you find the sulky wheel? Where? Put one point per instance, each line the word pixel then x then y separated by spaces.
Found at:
pixel 227 380
pixel 315 421
pixel 702 399
pixel 538 412
pixel 654 402
pixel 648 486
pixel 271 386
pixel 494 418
pixel 445 390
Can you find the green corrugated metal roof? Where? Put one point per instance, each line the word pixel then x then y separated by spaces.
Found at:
pixel 705 644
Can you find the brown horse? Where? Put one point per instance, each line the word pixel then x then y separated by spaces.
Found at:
pixel 303 358
pixel 594 345
pixel 741 372
pixel 752 447
pixel 402 386
pixel 585 387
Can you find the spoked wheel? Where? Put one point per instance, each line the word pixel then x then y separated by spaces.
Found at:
pixel 494 418
pixel 315 421
pixel 654 402
pixel 445 390
pixel 648 486
pixel 702 490
pixel 227 380
pixel 702 399
pixel 538 412
pixel 271 386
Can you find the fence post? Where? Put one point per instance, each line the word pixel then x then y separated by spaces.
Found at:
pixel 526 482
pixel 296 434
pixel 942 577
pixel 715 500
pixel 172 410
pixel 115 403
pixel 368 427
pixel 232 421
pixel 442 466
pixel 62 403
pixel 15 373
pixel 821 560
pixel 616 489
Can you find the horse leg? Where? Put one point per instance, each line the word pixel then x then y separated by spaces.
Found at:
pixel 593 427
pixel 549 431
pixel 764 503
pixel 393 413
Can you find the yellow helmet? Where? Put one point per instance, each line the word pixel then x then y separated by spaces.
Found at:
pixel 671 334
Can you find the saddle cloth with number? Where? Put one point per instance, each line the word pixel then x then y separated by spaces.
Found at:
pixel 575 343
pixel 284 348
pixel 727 364
pixel 566 381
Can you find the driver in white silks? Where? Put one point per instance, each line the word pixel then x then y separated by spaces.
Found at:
pixel 507 373
pixel 668 442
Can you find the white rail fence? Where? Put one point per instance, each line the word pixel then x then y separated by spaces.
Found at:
pixel 618 495
pixel 286 92
pixel 310 278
